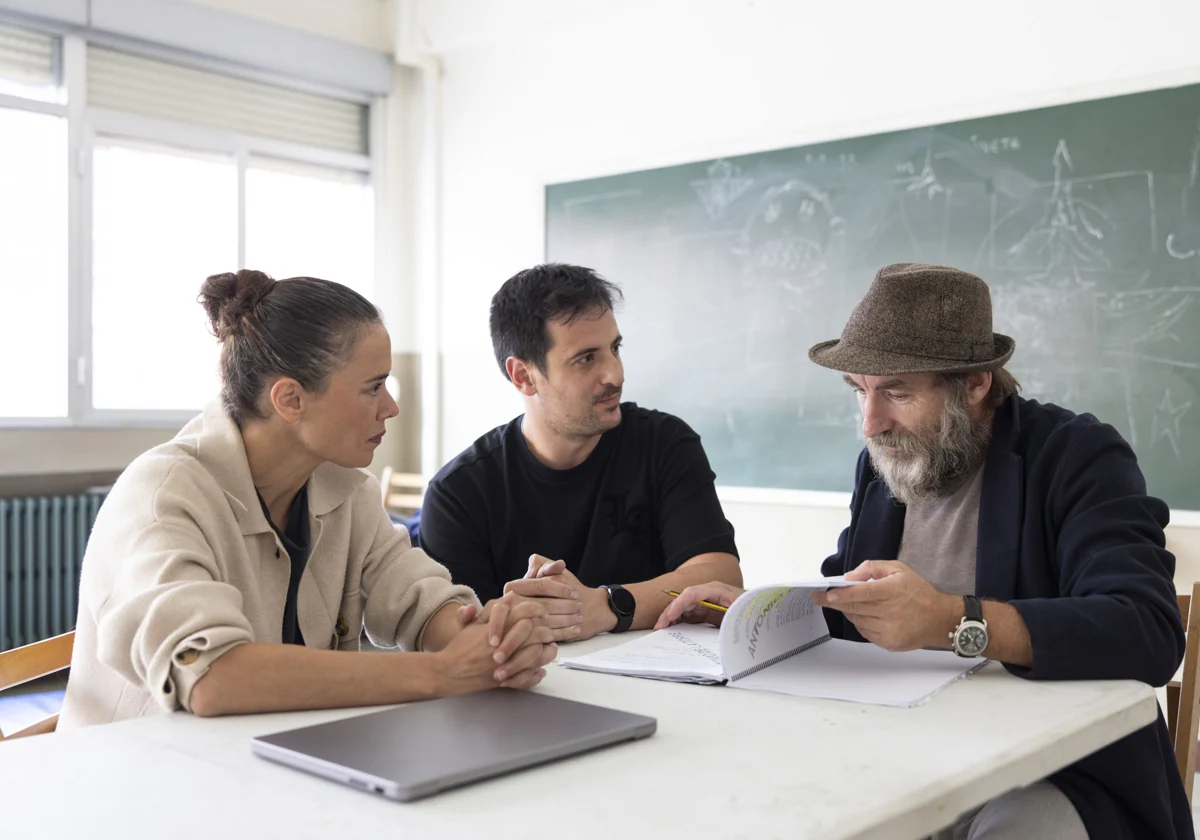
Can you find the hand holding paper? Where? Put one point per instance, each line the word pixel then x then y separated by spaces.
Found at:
pixel 775 638
pixel 895 607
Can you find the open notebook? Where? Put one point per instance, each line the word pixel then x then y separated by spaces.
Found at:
pixel 774 639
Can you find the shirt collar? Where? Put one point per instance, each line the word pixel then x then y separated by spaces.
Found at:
pixel 220 449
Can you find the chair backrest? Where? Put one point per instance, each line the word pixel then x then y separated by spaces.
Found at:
pixel 31 662
pixel 402 492
pixel 1183 697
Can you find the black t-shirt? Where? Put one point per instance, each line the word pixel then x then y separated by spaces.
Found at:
pixel 295 541
pixel 642 504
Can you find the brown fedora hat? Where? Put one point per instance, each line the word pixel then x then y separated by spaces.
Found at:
pixel 918 319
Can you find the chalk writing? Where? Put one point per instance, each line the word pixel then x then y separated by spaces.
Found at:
pixel 996 145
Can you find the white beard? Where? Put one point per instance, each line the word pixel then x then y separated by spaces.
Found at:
pixel 908 477
pixel 928 463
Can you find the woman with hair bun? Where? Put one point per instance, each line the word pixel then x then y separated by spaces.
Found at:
pixel 233 569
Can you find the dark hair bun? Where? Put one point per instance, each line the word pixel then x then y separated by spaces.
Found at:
pixel 229 298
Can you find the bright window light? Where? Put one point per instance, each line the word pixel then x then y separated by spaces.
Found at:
pixel 27 90
pixel 162 220
pixel 310 221
pixel 33 264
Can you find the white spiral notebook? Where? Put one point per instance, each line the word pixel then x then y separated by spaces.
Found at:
pixel 774 639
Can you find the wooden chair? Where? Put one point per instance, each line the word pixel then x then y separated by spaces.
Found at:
pixel 32 662
pixel 1183 695
pixel 402 492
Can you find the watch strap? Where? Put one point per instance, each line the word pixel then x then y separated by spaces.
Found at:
pixel 974 610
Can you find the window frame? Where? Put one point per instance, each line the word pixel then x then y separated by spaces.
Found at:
pixel 85 125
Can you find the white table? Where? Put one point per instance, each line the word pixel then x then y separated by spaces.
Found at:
pixel 724 763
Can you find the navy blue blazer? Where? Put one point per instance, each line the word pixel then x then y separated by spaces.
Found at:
pixel 1068 536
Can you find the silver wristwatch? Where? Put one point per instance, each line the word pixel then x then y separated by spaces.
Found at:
pixel 970 637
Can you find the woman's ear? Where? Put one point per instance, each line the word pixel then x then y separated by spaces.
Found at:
pixel 287 398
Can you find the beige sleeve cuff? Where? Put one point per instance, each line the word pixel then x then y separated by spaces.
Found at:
pixel 191 661
pixel 164 639
pixel 405 595
pixel 455 597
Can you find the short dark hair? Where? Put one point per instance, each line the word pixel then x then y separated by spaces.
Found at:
pixel 1004 384
pixel 530 298
pixel 303 328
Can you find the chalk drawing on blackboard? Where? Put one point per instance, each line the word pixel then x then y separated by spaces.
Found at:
pixel 1029 304
pixel 932 189
pixel 922 187
pixel 790 234
pixel 924 180
pixel 1177 250
pixel 1183 246
pixel 1078 222
pixel 1056 360
pixel 1135 318
pixel 1165 361
pixel 721 188
pixel 1143 326
pixel 1067 227
pixel 1130 410
pixel 1166 422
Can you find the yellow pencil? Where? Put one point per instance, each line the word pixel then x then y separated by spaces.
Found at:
pixel 708 604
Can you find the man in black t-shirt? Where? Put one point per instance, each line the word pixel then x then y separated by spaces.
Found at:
pixel 594 505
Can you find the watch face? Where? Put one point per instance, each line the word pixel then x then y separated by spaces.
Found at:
pixel 972 639
pixel 622 600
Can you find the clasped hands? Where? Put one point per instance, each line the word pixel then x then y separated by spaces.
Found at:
pixel 511 639
pixel 574 611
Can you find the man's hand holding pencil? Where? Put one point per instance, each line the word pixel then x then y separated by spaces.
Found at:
pixel 705 602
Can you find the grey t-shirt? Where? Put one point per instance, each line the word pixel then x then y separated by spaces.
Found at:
pixel 940 537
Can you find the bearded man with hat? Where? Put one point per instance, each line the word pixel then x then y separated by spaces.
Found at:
pixel 997 526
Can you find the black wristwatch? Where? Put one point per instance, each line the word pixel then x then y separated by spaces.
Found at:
pixel 970 637
pixel 622 603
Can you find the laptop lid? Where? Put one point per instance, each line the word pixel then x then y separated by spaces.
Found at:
pixel 419 749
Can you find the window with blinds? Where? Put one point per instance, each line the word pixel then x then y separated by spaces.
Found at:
pixel 191 166
pixel 29 64
pixel 137 84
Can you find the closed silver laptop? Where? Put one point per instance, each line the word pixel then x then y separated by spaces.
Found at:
pixel 422 748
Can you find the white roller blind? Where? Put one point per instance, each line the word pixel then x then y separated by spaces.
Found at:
pixel 28 58
pixel 124 82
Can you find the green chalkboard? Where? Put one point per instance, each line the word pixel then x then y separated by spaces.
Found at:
pixel 1084 219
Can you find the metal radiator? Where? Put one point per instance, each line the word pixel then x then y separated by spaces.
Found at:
pixel 41 547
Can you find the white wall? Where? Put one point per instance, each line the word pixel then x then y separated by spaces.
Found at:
pixel 783 541
pixel 366 23
pixel 544 91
